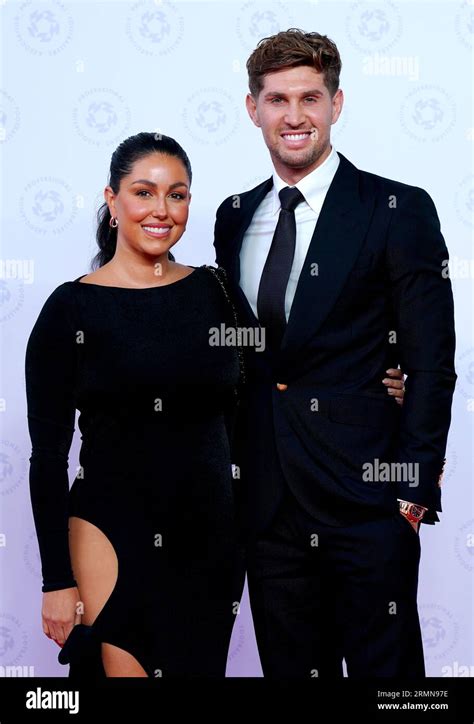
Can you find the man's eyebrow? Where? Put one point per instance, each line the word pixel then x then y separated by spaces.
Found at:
pixel 153 184
pixel 314 92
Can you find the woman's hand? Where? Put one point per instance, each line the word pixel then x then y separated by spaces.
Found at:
pixel 395 384
pixel 59 613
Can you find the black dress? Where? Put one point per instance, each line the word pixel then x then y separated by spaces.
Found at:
pixel 156 403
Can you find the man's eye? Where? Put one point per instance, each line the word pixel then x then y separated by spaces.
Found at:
pixel 276 100
pixel 311 98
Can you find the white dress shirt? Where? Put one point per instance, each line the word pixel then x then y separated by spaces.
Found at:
pixel 258 237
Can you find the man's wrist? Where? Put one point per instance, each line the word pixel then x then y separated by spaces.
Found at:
pixel 413 511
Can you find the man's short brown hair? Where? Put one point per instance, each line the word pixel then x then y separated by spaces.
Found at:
pixel 289 49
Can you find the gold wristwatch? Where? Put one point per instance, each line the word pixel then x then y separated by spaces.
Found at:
pixel 412 511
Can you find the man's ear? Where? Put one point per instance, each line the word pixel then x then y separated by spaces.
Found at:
pixel 252 109
pixel 337 103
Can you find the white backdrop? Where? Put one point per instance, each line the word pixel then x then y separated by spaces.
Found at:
pixel 79 77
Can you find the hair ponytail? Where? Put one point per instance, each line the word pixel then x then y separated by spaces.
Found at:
pixel 106 238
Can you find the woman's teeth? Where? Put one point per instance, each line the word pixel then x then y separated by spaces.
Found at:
pixel 157 231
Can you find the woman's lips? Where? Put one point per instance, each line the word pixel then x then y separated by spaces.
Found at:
pixel 157 232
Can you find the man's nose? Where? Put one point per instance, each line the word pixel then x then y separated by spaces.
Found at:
pixel 294 115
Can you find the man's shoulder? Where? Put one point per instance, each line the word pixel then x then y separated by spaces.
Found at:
pixel 383 183
pixel 239 199
pixel 374 183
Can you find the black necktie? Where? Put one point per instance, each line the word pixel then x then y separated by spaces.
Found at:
pixel 276 272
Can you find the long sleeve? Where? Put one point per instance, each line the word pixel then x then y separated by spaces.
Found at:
pixel 50 373
pixel 423 305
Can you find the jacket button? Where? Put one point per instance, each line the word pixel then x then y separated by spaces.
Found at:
pixel 281 387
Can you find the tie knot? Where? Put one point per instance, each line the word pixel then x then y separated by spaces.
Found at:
pixel 290 197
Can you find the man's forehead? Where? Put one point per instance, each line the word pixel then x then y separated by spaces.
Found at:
pixel 299 74
pixel 295 78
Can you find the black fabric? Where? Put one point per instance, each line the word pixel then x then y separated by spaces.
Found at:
pixel 320 594
pixel 378 252
pixel 277 268
pixel 155 401
pixel 329 554
pixel 82 652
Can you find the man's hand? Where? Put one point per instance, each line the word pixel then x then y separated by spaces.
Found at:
pixel 413 524
pixel 395 384
pixel 413 512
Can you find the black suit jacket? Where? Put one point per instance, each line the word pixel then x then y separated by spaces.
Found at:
pixel 373 268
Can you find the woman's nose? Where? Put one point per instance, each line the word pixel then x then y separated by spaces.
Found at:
pixel 160 208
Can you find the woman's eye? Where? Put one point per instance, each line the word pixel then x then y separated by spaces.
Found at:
pixel 176 195
pixel 143 191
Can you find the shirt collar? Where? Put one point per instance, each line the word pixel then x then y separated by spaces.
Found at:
pixel 310 185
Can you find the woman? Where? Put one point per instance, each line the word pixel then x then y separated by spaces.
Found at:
pixel 143 551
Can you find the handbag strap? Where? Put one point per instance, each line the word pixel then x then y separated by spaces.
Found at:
pixel 220 275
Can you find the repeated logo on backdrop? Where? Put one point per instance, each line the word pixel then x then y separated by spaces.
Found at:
pixel 101 116
pixel 47 205
pixel 43 28
pixel 257 20
pixel 9 117
pixel 464 200
pixel 464 545
pixel 428 113
pixel 439 630
pixel 464 23
pixel 12 297
pixel 13 640
pixel 154 28
pixel 373 26
pixel 210 116
pixel 13 467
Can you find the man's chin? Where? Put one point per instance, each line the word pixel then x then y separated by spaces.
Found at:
pixel 295 160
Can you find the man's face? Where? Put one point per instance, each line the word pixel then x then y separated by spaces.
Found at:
pixel 295 111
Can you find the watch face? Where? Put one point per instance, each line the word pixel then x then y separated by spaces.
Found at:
pixel 416 511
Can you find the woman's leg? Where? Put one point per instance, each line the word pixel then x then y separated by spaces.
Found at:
pixel 95 567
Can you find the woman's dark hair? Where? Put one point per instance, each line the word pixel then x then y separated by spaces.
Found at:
pixel 121 163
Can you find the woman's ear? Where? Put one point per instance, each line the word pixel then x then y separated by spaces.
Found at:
pixel 109 197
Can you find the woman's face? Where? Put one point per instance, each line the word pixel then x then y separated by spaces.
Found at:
pixel 152 204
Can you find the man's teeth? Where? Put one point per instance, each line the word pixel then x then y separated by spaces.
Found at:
pixel 157 231
pixel 295 136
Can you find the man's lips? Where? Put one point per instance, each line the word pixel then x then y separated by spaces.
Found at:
pixel 295 139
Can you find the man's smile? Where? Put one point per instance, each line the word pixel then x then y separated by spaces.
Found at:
pixel 296 139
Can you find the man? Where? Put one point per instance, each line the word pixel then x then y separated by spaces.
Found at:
pixel 342 270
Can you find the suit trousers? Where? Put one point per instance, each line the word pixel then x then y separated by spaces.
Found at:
pixel 320 594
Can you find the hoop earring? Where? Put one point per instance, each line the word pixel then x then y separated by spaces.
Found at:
pixel 111 222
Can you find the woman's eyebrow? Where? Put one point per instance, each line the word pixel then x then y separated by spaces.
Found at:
pixel 152 183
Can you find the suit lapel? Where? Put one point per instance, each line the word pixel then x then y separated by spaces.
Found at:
pixel 335 245
pixel 252 201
